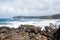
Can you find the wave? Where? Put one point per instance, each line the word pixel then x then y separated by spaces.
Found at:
pixel 39 23
pixel 36 22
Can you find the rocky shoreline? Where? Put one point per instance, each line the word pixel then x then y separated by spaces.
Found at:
pixel 29 32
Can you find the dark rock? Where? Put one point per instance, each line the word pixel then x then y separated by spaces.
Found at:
pixel 30 28
pixel 57 34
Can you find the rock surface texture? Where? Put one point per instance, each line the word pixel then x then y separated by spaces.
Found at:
pixel 29 32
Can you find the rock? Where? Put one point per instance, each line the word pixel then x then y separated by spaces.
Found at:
pixel 28 32
pixel 57 34
pixel 49 32
pixel 40 37
pixel 30 28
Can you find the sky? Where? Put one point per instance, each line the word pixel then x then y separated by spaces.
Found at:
pixel 10 8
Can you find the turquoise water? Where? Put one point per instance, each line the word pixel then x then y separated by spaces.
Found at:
pixel 36 22
pixel 21 20
pixel 6 20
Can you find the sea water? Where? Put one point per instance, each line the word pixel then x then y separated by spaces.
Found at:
pixel 36 22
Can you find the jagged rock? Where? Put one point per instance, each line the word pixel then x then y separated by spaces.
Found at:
pixel 49 32
pixel 57 34
pixel 29 32
pixel 40 37
pixel 30 28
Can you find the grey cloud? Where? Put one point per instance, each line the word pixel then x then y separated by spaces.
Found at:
pixel 30 7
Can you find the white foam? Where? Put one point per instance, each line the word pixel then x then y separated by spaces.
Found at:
pixel 42 24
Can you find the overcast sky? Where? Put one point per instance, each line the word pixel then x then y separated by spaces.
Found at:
pixel 9 8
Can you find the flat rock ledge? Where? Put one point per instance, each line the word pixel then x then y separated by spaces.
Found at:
pixel 29 32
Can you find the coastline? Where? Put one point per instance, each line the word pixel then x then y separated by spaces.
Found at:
pixel 29 30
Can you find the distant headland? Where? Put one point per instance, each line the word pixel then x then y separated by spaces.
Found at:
pixel 56 16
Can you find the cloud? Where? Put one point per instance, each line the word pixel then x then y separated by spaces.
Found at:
pixel 29 7
pixel 6 1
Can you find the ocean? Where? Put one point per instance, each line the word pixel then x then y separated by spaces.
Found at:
pixel 36 22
